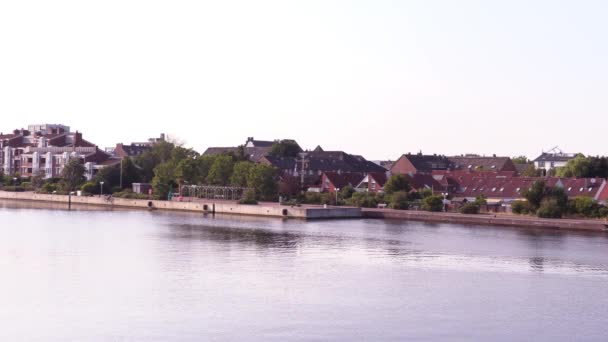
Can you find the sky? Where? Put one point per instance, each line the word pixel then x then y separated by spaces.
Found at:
pixel 376 78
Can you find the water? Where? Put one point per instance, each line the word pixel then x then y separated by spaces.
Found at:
pixel 93 275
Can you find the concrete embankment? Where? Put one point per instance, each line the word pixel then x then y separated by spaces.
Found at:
pixel 203 206
pixel 487 219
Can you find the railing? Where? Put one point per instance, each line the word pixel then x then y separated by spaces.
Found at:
pixel 213 192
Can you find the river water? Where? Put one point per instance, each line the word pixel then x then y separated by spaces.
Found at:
pixel 96 275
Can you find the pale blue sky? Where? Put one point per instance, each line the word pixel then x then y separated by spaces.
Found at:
pixel 377 78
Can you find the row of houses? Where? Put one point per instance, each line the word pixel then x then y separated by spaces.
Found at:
pixel 44 150
pixel 463 178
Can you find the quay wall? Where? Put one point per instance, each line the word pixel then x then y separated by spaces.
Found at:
pixel 488 219
pixel 210 206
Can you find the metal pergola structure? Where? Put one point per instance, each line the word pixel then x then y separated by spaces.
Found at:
pixel 214 192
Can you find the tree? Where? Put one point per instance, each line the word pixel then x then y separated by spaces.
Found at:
pixel 285 148
pixel 535 194
pixel 396 183
pixel 579 167
pixel 481 200
pixel 38 179
pixel 531 171
pixel 399 200
pixel 262 179
pixel 584 206
pixel 425 192
pixel 72 175
pixel 432 203
pixel 164 180
pixel 520 160
pixel 347 192
pixel 221 170
pixel 520 207
pixel 240 173
pixel 549 208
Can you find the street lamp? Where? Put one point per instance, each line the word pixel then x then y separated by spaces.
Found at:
pixel 337 190
pixel 101 189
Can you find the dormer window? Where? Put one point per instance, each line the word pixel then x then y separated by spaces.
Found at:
pixel 581 189
pixel 590 189
pixel 502 189
pixel 517 189
pixel 570 189
pixel 493 189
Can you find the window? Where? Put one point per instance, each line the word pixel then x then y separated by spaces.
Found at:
pixel 570 189
pixel 502 189
pixel 517 189
pixel 589 189
pixel 581 190
pixel 493 189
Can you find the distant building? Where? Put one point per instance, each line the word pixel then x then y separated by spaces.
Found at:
pixel 45 149
pixel 481 163
pixel 372 182
pixel 254 150
pixel 553 159
pixel 333 181
pixel 419 163
pixel 135 148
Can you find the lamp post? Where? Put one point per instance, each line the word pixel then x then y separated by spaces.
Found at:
pixel 337 190
pixel 101 189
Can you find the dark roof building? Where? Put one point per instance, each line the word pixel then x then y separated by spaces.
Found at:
pixel 419 163
pixel 479 163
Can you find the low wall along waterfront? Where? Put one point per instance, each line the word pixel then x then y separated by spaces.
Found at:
pixel 204 206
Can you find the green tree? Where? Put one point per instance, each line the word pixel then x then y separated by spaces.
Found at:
pixel 425 192
pixel 347 192
pixel 72 175
pixel 396 183
pixel 432 203
pixel 481 200
pixel 520 160
pixel 535 194
pixel 549 208
pixel 531 171
pixel 240 173
pixel 221 170
pixel 164 180
pixel 584 206
pixel 399 200
pixel 263 179
pixel 580 166
pixel 285 148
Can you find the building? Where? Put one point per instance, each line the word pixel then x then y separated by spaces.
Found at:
pixel 373 182
pixel 482 163
pixel 254 150
pixel 419 163
pixel 333 182
pixel 553 159
pixel 45 149
pixel 135 148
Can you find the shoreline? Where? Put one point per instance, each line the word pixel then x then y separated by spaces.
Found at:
pixel 314 212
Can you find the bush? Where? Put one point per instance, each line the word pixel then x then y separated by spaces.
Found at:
pixel 363 199
pixel 49 188
pixel 399 200
pixel 347 192
pixel 603 212
pixel 584 206
pixel 13 188
pixel 469 208
pixel 432 203
pixel 248 197
pixel 520 207
pixel 312 198
pixel 89 188
pixel 549 208
pixel 129 194
pixel 424 193
pixel 397 183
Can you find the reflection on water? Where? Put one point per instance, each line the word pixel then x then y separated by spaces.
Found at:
pixel 142 275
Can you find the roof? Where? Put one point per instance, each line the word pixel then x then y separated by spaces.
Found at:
pixel 427 163
pixel 254 154
pixel 481 163
pixel 340 180
pixel 339 161
pixel 556 157
pixel 379 177
pixel 422 181
pixel 282 163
